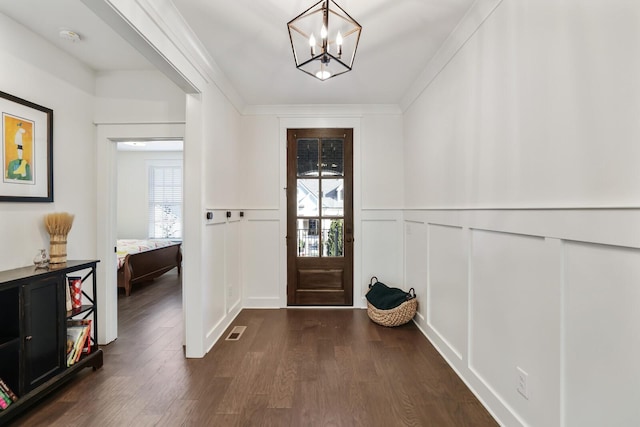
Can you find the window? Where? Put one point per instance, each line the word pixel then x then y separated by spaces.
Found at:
pixel 165 202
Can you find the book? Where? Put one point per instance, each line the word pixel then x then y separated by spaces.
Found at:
pixel 8 390
pixel 68 297
pixel 74 334
pixel 78 339
pixel 5 401
pixel 81 344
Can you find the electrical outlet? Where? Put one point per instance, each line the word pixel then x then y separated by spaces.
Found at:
pixel 522 386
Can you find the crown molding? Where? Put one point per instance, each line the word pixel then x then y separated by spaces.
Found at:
pixel 325 110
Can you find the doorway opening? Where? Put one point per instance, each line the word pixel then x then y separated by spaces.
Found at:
pixel 149 216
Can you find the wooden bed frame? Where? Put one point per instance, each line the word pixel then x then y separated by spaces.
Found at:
pixel 147 265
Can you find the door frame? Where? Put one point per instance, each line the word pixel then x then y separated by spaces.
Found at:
pixel 354 123
pixel 107 137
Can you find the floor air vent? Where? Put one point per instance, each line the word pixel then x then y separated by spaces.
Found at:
pixel 236 333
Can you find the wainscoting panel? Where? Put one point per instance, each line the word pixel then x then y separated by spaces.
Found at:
pixel 514 321
pixel 233 275
pixel 448 291
pixel 262 260
pixel 213 293
pixel 555 293
pixel 382 256
pixel 601 335
pixel 416 269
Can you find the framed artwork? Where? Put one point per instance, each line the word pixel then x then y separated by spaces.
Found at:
pixel 27 148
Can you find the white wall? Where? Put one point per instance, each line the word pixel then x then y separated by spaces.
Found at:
pixel 138 96
pixel 35 70
pixel 535 112
pixel 133 189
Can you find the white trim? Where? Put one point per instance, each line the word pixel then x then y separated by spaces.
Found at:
pixel 106 200
pixel 320 110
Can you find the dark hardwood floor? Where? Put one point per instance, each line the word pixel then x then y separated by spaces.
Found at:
pixel 298 367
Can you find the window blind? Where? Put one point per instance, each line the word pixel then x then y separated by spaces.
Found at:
pixel 165 202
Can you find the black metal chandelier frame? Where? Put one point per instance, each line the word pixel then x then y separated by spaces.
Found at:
pixel 329 56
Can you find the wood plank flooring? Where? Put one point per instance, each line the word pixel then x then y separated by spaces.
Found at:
pixel 297 367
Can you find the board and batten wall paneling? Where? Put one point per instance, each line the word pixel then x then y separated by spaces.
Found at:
pixel 214 300
pixel 514 309
pixel 601 307
pixel 560 307
pixel 526 137
pixel 382 254
pixel 261 258
pixel 415 250
pixel 448 286
pixel 232 254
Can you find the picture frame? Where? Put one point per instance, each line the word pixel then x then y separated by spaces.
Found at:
pixel 27 150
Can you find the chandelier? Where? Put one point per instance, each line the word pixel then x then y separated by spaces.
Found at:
pixel 324 39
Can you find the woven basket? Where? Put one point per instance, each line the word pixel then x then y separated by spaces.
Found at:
pixel 396 316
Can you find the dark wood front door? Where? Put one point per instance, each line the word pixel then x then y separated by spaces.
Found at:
pixel 320 216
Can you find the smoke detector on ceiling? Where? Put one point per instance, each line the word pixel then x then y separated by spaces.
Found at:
pixel 69 35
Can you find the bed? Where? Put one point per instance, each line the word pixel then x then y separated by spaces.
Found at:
pixel 145 260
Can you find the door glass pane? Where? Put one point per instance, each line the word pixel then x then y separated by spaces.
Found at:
pixel 308 237
pixel 308 197
pixel 332 237
pixel 332 157
pixel 333 197
pixel 307 157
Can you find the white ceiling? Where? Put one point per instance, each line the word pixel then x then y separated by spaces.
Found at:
pixel 99 47
pixel 248 40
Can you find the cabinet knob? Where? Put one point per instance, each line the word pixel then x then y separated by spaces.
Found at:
pixel 28 338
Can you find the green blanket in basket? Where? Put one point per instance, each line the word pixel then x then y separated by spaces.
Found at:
pixel 383 297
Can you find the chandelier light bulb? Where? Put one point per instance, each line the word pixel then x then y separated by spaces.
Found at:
pixel 312 44
pixel 323 32
pixel 323 74
pixel 339 44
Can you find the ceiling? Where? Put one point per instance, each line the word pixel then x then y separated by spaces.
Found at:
pixel 249 42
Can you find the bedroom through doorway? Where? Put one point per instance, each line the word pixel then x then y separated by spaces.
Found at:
pixel 149 227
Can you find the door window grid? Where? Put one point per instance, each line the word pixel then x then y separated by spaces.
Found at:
pixel 320 195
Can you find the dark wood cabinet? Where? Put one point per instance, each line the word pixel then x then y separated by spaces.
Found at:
pixel 33 322
pixel 43 331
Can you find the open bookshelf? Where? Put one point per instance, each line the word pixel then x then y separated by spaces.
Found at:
pixel 33 331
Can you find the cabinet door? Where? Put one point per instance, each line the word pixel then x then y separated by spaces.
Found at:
pixel 10 335
pixel 43 329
